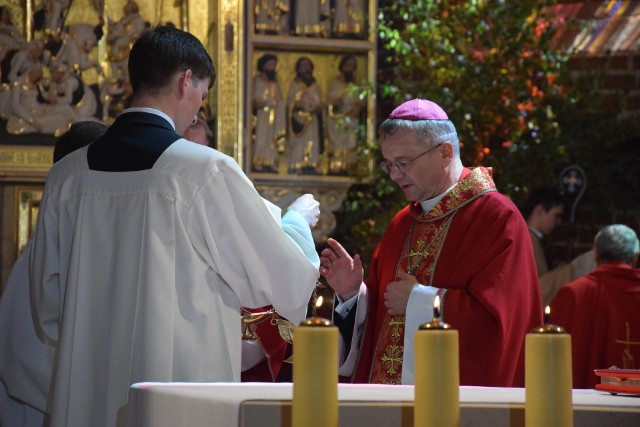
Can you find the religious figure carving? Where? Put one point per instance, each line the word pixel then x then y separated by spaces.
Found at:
pixel 121 36
pixel 305 110
pixel 311 18
pixel 66 88
pixel 272 16
pixel 11 40
pixel 25 59
pixel 115 95
pixel 54 15
pixel 349 18
pixel 344 117
pixel 270 115
pixel 76 46
pixel 26 114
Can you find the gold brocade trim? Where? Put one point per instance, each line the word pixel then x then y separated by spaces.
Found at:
pixel 478 183
pixel 388 356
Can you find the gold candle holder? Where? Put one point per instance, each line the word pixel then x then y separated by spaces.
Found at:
pixel 315 374
pixel 437 374
pixel 548 378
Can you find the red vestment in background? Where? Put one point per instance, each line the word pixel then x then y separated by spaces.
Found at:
pixel 601 311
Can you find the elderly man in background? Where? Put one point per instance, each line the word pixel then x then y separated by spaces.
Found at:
pixel 601 310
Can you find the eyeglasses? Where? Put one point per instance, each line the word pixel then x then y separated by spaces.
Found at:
pixel 401 165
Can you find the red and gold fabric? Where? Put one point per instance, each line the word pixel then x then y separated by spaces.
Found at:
pixel 474 243
pixel 601 312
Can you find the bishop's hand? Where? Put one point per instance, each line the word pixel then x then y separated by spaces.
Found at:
pixel 343 273
pixel 396 297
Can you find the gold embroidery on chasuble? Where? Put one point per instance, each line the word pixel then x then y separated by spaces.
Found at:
pixel 419 258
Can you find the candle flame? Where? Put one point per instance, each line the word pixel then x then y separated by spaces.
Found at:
pixel 436 309
pixel 547 315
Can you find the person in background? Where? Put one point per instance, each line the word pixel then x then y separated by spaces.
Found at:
pixel 459 239
pixel 601 310
pixel 25 361
pixel 543 212
pixel 197 132
pixel 156 243
pixel 264 354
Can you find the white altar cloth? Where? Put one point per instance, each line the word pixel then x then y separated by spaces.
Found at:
pixel 267 404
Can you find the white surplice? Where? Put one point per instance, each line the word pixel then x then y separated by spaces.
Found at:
pixel 25 361
pixel 140 276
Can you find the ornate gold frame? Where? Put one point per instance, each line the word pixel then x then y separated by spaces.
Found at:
pixel 27 204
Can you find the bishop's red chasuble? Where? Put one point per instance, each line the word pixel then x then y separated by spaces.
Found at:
pixel 474 244
pixel 601 311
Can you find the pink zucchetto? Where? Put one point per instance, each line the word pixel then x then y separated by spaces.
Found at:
pixel 419 109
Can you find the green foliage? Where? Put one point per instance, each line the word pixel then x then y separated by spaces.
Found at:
pixel 491 66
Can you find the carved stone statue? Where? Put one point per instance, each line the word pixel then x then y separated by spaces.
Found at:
pixel 26 114
pixel 77 44
pixel 25 59
pixel 66 88
pixel 305 110
pixel 311 18
pixel 344 117
pixel 54 11
pixel 11 40
pixel 115 95
pixel 349 18
pixel 269 108
pixel 272 16
pixel 121 36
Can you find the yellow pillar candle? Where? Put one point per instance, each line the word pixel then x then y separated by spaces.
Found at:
pixel 548 392
pixel 315 374
pixel 437 374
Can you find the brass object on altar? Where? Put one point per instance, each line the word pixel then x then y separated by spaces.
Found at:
pixel 285 328
pixel 548 329
pixel 249 319
pixel 435 324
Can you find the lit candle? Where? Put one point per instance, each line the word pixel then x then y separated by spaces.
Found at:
pixel 548 393
pixel 315 374
pixel 437 373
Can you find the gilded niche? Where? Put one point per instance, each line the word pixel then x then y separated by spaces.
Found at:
pixel 64 61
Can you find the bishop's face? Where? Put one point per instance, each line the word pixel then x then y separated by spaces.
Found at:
pixel 424 177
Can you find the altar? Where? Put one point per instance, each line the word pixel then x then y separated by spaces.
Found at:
pixel 269 404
